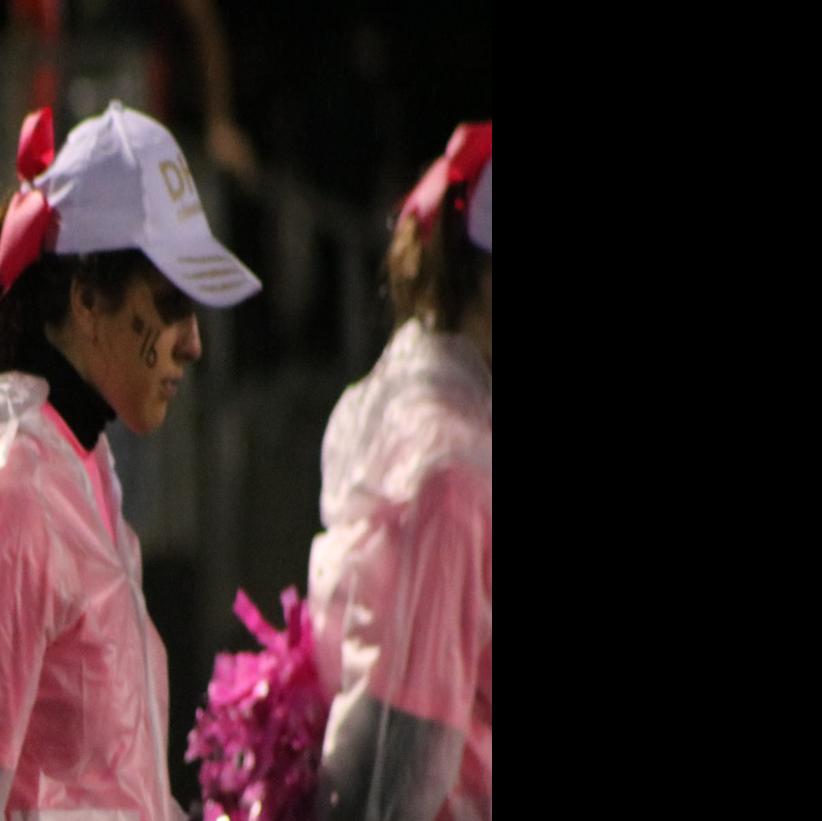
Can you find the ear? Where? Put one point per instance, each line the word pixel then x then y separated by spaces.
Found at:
pixel 84 307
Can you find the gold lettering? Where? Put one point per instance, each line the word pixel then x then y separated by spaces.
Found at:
pixel 228 286
pixel 214 272
pixel 203 260
pixel 173 179
pixel 186 173
pixel 189 211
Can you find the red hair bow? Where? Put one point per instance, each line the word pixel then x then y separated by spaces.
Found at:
pixel 28 215
pixel 465 156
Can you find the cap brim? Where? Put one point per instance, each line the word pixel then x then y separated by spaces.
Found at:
pixel 211 275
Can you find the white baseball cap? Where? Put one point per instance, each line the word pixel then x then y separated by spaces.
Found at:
pixel 121 181
pixel 479 211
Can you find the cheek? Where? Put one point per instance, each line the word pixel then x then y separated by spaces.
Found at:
pixel 145 347
pixel 129 373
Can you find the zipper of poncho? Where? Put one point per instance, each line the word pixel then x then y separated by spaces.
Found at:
pixel 141 611
pixel 157 736
pixel 141 614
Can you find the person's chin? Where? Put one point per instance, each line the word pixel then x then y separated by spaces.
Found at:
pixel 148 422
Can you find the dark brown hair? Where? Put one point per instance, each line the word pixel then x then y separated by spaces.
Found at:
pixel 435 279
pixel 41 294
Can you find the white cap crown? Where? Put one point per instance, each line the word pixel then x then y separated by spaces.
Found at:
pixel 122 181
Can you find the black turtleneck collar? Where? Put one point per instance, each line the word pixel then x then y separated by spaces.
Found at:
pixel 82 408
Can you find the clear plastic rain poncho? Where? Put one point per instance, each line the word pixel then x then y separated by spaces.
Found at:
pixel 83 676
pixel 400 587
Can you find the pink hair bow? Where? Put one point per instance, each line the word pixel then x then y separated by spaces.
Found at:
pixel 28 215
pixel 465 156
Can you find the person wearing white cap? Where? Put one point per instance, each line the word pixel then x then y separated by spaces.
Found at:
pixel 399 583
pixel 104 251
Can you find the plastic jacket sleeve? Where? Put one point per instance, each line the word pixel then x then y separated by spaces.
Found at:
pixel 28 612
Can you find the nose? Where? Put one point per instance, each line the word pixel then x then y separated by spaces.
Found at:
pixel 189 345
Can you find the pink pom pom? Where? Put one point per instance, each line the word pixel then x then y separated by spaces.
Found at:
pixel 259 737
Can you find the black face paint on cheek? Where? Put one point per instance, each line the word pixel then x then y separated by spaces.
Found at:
pixel 148 353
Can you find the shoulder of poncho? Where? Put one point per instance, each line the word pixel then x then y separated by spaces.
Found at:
pixel 39 470
pixel 23 493
pixel 417 373
pixel 20 393
pixel 29 454
pixel 419 409
pixel 21 396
